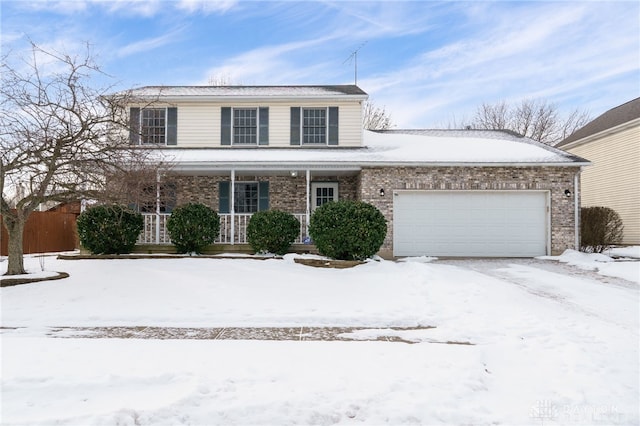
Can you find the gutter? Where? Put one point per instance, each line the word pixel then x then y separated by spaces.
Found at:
pixel 166 99
pixel 191 165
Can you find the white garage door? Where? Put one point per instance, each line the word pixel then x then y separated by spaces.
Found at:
pixel 470 223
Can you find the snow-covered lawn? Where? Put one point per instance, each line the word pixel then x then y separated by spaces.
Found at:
pixel 550 343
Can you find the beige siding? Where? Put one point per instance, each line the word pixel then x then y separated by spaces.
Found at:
pixel 199 123
pixel 614 178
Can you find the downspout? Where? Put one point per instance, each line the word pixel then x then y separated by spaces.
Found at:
pixel 576 203
pixel 308 211
pixel 232 191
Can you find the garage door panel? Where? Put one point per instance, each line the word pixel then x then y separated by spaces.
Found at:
pixel 459 223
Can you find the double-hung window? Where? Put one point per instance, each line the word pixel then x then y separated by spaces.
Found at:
pixel 152 201
pixel 245 197
pixel 244 126
pixel 154 126
pixel 314 126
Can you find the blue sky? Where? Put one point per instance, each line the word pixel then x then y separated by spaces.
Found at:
pixel 429 63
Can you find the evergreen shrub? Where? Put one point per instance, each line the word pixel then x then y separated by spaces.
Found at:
pixel 109 229
pixel 348 230
pixel 192 227
pixel 272 231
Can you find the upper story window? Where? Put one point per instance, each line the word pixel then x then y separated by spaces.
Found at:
pixel 153 126
pixel 314 126
pixel 244 126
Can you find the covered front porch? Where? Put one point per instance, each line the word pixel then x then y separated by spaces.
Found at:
pixel 237 193
pixel 233 229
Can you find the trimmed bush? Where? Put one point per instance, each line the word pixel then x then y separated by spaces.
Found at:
pixel 600 228
pixel 348 230
pixel 272 231
pixel 192 227
pixel 109 229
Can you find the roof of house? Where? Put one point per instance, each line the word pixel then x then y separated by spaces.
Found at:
pixel 610 119
pixel 388 148
pixel 249 91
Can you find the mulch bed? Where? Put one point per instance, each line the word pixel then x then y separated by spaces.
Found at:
pixel 6 282
pixel 328 263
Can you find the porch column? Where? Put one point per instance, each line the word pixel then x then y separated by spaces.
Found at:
pixel 231 206
pixel 308 211
pixel 157 240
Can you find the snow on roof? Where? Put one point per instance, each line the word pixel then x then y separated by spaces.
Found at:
pixel 249 91
pixel 393 148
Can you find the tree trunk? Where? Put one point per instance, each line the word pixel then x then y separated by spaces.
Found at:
pixel 15 229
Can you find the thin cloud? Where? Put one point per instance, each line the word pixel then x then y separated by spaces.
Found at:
pixel 148 44
pixel 206 6
pixel 145 8
pixel 270 64
pixel 529 53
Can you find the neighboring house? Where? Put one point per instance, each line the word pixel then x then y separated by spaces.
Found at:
pixel 612 143
pixel 444 193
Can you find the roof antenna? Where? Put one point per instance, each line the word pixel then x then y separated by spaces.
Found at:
pixel 354 57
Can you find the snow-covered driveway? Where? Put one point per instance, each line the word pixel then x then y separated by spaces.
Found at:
pixel 551 344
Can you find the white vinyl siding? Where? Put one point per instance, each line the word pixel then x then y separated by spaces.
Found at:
pixel 470 223
pixel 613 179
pixel 199 123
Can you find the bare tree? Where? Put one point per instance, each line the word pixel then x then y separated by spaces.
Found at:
pixel 59 138
pixel 375 118
pixel 220 80
pixel 538 120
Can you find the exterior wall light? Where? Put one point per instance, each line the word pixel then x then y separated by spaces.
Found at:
pixel 382 192
pixel 294 173
pixel 567 193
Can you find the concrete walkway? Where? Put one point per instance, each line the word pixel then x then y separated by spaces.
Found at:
pixel 386 334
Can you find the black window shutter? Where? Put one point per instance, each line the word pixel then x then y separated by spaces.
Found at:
pixel 134 126
pixel 264 125
pixel 263 195
pixel 172 126
pixel 295 125
pixel 333 125
pixel 225 122
pixel 223 197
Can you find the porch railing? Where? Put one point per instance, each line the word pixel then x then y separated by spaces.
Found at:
pixel 155 229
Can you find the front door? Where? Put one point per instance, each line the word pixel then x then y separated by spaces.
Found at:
pixel 323 192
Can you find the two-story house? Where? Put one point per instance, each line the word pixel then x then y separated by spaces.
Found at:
pixel 243 149
pixel 612 143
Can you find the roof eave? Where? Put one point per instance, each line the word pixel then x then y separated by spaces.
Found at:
pixel 207 165
pixel 250 98
pixel 602 134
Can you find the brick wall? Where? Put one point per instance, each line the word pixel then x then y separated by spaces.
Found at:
pixel 554 179
pixel 286 193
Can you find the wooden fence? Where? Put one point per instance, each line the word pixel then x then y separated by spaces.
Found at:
pixel 45 232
